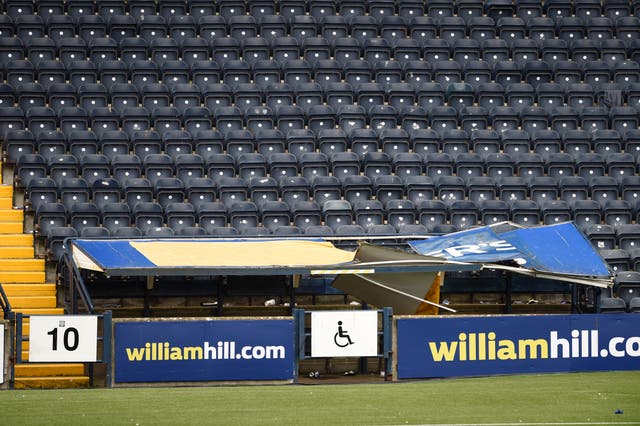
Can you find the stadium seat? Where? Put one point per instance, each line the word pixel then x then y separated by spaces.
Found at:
pixel 336 213
pixel 437 50
pixel 463 214
pixel 354 188
pixel 180 217
pixel 136 190
pixel 306 214
pixel 431 213
pixel 481 188
pixel 105 191
pixel 211 216
pixel 168 190
pixel 627 286
pixel 232 190
pixel 611 305
pixel 368 213
pixel 493 211
pixel 95 166
pixel 82 142
pixel 147 216
pixel 617 259
pixel 586 213
pixel 630 188
pixel 114 216
pixel 616 212
pixel 55 240
pixel 40 191
pixel 83 215
pixel 601 236
pixel 400 213
pixel 525 213
pixel 49 216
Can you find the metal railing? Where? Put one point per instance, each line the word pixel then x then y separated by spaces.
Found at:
pixel 74 287
pixel 5 304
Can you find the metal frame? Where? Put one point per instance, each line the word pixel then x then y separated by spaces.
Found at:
pixel 106 339
pixel 385 333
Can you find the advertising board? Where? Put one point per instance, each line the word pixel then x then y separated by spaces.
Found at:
pixel 474 346
pixel 204 350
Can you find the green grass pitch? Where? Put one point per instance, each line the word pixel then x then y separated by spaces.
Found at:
pixel 566 399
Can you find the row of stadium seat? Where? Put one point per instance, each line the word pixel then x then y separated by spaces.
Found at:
pixel 397 99
pixel 390 28
pixel 602 192
pixel 417 77
pixel 317 118
pixel 460 215
pixel 594 169
pixel 313 49
pixel 467 9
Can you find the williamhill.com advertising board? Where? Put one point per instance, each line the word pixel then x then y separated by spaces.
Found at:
pixel 478 346
pixel 170 351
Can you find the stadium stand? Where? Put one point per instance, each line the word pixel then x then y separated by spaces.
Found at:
pixel 315 118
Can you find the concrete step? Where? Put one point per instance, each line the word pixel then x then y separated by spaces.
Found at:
pixel 6 203
pixel 16 240
pixel 65 382
pixel 48 370
pixel 22 277
pixel 11 215
pixel 6 190
pixel 29 289
pixel 7 227
pixel 22 265
pixel 32 302
pixel 16 252
pixel 41 311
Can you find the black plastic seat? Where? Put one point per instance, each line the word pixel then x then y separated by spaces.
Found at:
pixel 200 190
pixel 148 216
pixel 84 215
pixel 40 191
pixel 136 190
pixel 368 213
pixel 493 212
pixel 181 217
pixel 387 188
pixel 525 213
pixel 295 188
pixel 432 213
pixel 49 216
pixel 243 215
pixel 627 287
pixel 324 189
pixel 481 188
pixel 617 212
pixel 212 215
pixel 337 213
pixel 168 191
pixel 105 191
pixel 400 214
pixel 124 166
pixel 114 216
pixel 601 236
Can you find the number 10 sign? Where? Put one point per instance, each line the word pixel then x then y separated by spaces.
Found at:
pixel 68 338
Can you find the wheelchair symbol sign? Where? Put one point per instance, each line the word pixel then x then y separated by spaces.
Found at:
pixel 344 333
pixel 342 338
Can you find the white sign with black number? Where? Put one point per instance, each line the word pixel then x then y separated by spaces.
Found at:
pixel 1 353
pixel 344 333
pixel 64 338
